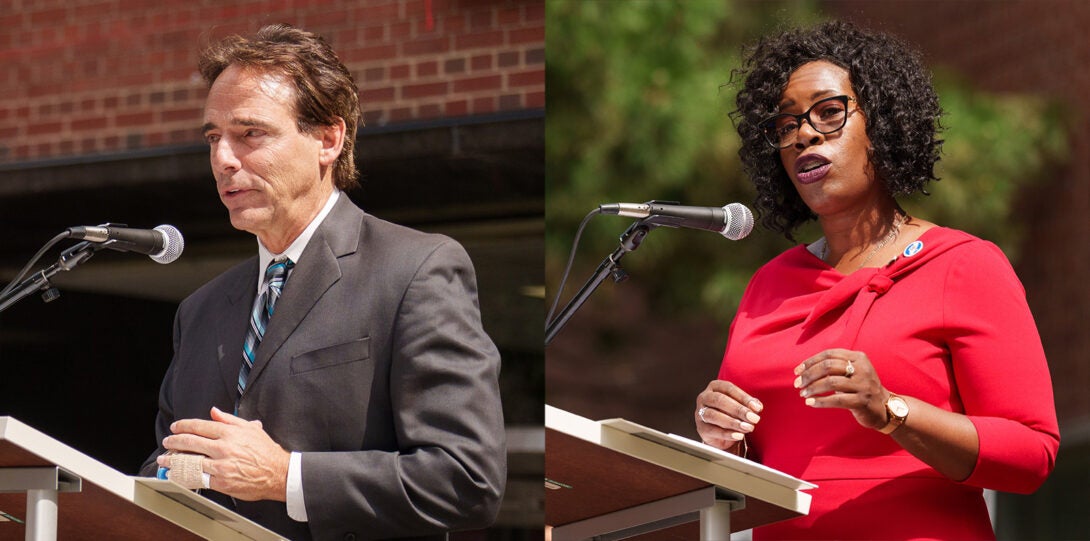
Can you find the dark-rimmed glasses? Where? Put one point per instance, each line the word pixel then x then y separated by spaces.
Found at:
pixel 826 116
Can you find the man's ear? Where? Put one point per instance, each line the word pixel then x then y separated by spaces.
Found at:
pixel 332 139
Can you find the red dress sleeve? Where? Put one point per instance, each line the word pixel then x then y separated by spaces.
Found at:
pixel 1001 371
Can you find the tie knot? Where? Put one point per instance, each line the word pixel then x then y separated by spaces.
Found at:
pixel 278 270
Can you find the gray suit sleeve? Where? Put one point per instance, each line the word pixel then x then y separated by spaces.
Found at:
pixel 449 470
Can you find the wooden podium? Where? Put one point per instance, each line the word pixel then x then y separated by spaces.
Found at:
pixel 616 479
pixel 49 491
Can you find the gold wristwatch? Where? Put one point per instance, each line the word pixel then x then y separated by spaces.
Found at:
pixel 896 412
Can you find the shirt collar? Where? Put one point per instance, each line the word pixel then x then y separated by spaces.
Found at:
pixel 295 250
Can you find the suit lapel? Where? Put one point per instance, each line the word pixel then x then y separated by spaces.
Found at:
pixel 317 271
pixel 234 319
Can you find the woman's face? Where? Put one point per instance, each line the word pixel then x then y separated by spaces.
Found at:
pixel 831 171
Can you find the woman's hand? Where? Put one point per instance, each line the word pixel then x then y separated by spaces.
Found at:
pixel 725 414
pixel 840 378
pixel 945 440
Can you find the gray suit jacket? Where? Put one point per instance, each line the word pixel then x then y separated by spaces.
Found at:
pixel 374 366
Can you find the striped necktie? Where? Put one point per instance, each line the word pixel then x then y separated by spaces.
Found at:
pixel 275 276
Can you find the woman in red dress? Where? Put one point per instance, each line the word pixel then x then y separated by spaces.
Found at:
pixel 893 362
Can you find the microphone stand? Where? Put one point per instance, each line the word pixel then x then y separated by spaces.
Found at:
pixel 68 260
pixel 611 265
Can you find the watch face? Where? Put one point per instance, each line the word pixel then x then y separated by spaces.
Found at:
pixel 898 407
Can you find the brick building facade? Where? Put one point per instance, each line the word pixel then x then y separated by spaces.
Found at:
pixel 85 77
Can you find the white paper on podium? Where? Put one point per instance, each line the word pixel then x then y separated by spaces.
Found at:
pixel 206 507
pixel 709 453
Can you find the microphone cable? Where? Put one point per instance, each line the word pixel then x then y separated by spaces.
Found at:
pixel 567 268
pixel 33 260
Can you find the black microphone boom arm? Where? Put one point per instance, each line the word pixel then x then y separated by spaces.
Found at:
pixel 611 265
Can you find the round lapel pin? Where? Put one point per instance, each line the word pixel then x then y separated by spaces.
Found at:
pixel 913 249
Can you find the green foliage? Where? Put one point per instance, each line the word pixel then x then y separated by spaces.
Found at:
pixel 638 97
pixel 995 145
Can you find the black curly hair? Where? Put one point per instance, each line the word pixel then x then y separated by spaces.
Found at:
pixel 892 87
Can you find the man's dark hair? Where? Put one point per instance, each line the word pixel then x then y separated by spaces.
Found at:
pixel 324 88
pixel 893 89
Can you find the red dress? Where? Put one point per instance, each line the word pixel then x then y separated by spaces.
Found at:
pixel 946 322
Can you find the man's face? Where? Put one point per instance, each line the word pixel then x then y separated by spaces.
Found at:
pixel 269 175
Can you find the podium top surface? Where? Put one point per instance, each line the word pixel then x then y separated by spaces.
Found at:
pixel 110 504
pixel 599 467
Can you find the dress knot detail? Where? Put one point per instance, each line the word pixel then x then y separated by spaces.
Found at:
pixel 879 284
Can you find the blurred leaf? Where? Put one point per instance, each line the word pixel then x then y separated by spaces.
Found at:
pixel 995 146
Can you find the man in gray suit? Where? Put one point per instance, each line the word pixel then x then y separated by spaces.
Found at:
pixel 366 406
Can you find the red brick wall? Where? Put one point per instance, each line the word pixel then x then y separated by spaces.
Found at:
pixel 1026 46
pixel 91 76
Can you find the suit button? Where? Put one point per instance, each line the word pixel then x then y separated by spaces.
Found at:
pixel 349 536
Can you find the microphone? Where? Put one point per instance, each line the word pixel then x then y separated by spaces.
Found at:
pixel 163 244
pixel 733 221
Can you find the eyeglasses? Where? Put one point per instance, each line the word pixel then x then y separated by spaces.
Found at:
pixel 826 116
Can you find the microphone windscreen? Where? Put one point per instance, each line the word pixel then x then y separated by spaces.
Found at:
pixel 739 221
pixel 173 244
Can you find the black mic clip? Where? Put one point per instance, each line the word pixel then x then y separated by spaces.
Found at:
pixel 78 253
pixel 71 257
